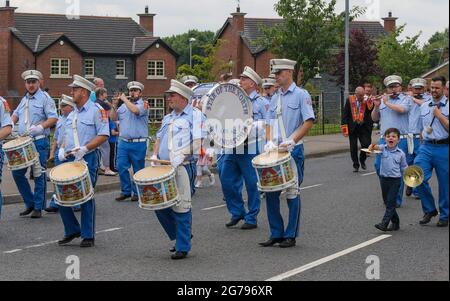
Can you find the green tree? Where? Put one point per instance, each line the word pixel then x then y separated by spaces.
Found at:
pixel 180 43
pixel 401 57
pixel 436 47
pixel 206 68
pixel 310 32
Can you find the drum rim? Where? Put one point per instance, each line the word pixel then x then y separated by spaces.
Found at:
pixel 28 141
pixel 24 165
pixel 67 181
pixel 81 202
pixel 280 187
pixel 160 206
pixel 283 160
pixel 154 180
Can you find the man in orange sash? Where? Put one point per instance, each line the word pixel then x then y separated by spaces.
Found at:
pixel 357 124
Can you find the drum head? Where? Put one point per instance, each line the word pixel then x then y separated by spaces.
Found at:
pixel 229 115
pixel 68 171
pixel 17 142
pixel 270 158
pixel 153 173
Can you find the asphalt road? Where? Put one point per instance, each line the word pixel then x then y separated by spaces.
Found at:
pixel 339 209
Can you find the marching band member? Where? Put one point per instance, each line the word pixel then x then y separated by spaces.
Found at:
pixel 418 97
pixel 133 123
pixel 269 90
pixel 66 106
pixel 190 80
pixel 179 137
pixel 86 128
pixel 392 112
pixel 292 112
pixel 237 166
pixel 433 153
pixel 36 114
pixel 5 130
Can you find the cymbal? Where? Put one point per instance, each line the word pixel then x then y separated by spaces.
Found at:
pixel 366 150
pixel 413 176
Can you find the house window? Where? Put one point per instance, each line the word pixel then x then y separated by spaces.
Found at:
pixel 155 70
pixel 59 68
pixel 89 68
pixel 120 69
pixel 156 109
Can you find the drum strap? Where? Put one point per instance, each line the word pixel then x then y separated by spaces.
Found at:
pixel 27 114
pixel 280 118
pixel 76 140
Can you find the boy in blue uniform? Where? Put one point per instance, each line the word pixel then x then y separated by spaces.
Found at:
pixel 5 131
pixel 433 153
pixel 86 129
pixel 289 119
pixel 179 137
pixel 392 165
pixel 35 115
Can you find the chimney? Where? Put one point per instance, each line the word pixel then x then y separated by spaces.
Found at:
pixel 146 21
pixel 7 16
pixel 390 23
pixel 238 20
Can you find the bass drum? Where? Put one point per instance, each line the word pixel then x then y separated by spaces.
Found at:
pixel 229 114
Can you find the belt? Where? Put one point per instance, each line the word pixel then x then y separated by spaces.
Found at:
pixel 134 140
pixel 437 142
pixel 39 137
pixel 416 135
pixel 403 136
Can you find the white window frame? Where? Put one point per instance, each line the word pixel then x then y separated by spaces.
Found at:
pixel 124 75
pixel 89 75
pixel 59 74
pixel 153 108
pixel 155 69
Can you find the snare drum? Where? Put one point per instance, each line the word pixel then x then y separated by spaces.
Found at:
pixel 275 171
pixel 157 187
pixel 20 153
pixel 72 184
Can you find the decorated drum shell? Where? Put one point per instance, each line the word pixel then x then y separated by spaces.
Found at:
pixel 20 153
pixel 270 168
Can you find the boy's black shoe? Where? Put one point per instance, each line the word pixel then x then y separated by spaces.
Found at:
pixel 68 239
pixel 427 217
pixel 363 166
pixel 381 227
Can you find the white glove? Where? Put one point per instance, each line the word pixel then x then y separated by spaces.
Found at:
pixel 270 146
pixel 210 152
pixel 154 157
pixel 61 155
pixel 287 145
pixel 80 153
pixel 177 160
pixel 36 130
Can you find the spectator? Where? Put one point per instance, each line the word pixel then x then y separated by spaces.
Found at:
pixel 101 95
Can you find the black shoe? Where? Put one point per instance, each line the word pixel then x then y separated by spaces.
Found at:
pixel 271 242
pixel 427 218
pixel 409 191
pixel 26 212
pixel 233 222
pixel 355 169
pixel 381 227
pixel 51 210
pixel 179 255
pixel 134 198
pixel 394 227
pixel 363 166
pixel 68 239
pixel 87 243
pixel 122 197
pixel 442 224
pixel 248 227
pixel 36 214
pixel 287 243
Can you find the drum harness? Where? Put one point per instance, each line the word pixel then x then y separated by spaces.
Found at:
pixel 37 170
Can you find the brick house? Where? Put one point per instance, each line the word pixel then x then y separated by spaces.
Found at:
pixel 115 49
pixel 441 70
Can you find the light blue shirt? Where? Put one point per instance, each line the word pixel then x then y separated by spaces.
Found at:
pixel 391 119
pixel 188 126
pixel 393 162
pixel 296 108
pixel 41 107
pixel 133 126
pixel 426 117
pixel 259 106
pixel 5 117
pixel 91 122
pixel 59 131
pixel 415 124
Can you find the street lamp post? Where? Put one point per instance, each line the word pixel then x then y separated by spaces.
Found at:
pixel 347 46
pixel 191 40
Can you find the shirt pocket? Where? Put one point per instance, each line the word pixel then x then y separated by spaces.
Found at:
pixel 87 128
pixel 293 105
pixel 37 109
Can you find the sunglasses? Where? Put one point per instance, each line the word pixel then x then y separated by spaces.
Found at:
pixel 31 81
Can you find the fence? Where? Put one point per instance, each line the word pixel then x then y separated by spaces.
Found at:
pixel 328 107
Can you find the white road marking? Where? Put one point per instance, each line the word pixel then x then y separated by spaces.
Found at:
pixel 369 174
pixel 221 206
pixel 54 242
pixel 327 259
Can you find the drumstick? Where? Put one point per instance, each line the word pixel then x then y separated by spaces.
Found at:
pixel 163 162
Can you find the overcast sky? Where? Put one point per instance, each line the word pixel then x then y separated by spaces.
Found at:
pixel 178 16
